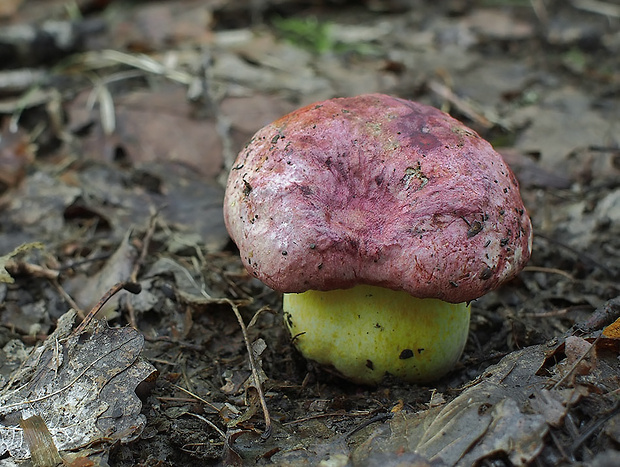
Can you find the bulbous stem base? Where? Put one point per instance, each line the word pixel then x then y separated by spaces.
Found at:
pixel 366 332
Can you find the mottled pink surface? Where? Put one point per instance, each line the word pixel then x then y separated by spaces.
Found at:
pixel 376 190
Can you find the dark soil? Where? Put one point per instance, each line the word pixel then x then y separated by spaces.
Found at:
pixel 117 168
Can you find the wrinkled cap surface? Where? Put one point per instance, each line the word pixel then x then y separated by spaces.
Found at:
pixel 376 190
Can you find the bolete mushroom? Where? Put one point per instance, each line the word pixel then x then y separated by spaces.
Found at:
pixel 379 219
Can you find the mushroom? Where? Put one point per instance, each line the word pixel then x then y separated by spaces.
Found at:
pixel 380 219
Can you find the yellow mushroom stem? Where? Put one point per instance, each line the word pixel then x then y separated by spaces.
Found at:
pixel 366 332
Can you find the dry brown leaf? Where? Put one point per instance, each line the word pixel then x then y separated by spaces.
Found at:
pixel 154 125
pixel 580 356
pixel 551 405
pixel 118 268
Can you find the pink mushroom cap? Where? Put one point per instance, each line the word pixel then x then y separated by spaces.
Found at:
pixel 376 190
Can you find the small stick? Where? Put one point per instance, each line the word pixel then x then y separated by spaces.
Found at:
pixel 132 287
pixel 210 423
pixel 259 387
pixel 145 247
pixel 548 270
pixel 204 401
pixel 464 106
pixel 558 312
pixel 377 418
pixel 34 270
pixel 68 298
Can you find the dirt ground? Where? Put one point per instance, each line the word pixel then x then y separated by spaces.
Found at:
pixel 119 123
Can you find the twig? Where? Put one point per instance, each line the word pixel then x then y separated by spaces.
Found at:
pixel 172 341
pixel 75 264
pixel 142 62
pixel 548 270
pixel 204 401
pixel 257 383
pixel 337 413
pixel 132 287
pixel 257 315
pixel 558 446
pixel 131 311
pixel 377 418
pixel 133 277
pixel 464 106
pixel 68 298
pixel 191 279
pixel 557 312
pixel 210 423
pixel 33 270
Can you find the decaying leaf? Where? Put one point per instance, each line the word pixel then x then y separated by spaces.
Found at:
pixel 480 422
pixel 553 405
pixel 517 434
pixel 507 411
pixel 82 386
pixel 116 269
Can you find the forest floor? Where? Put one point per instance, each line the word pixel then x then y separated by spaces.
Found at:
pixel 118 124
